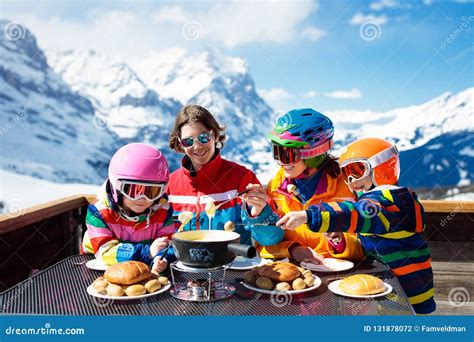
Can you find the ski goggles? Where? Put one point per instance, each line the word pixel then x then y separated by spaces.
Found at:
pixel 135 190
pixel 290 155
pixel 203 138
pixel 354 170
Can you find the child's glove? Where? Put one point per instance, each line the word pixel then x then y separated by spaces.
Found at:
pixel 337 241
pixel 159 265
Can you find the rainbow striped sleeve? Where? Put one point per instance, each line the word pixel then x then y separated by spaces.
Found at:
pixel 377 212
pixel 101 241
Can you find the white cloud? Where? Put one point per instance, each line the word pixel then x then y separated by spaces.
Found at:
pixel 136 31
pixel 275 94
pixel 345 94
pixel 310 94
pixel 381 4
pixel 172 14
pixel 278 98
pixel 312 33
pixel 360 18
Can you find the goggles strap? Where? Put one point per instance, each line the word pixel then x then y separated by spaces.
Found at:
pixel 383 156
pixel 316 151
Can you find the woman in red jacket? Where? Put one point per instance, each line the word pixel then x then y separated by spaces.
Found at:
pixel 206 177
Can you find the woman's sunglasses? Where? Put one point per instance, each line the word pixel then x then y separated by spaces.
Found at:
pixel 203 138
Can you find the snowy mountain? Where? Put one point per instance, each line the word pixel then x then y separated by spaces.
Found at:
pixel 121 99
pixel 63 120
pixel 220 83
pixel 48 129
pixel 436 139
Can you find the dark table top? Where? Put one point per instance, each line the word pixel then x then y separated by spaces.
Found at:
pixel 61 290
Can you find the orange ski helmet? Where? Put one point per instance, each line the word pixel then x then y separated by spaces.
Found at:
pixel 371 156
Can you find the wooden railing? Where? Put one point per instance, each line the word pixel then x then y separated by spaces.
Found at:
pixel 46 233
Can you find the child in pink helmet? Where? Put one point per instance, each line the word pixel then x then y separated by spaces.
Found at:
pixel 131 218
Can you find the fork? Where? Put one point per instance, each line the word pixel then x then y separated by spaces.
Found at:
pixel 227 201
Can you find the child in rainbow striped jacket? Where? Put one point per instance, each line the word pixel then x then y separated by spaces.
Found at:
pixel 388 219
pixel 132 218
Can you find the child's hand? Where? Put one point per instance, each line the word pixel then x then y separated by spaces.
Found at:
pixel 292 220
pixel 257 197
pixel 159 265
pixel 306 254
pixel 158 245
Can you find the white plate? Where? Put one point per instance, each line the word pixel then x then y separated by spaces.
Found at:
pixel 317 283
pixel 241 263
pixel 334 287
pixel 94 293
pixel 329 265
pixel 96 264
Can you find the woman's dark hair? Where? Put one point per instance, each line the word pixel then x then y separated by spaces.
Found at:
pixel 331 166
pixel 193 114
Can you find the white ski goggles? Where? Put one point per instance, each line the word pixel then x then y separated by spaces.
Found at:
pixel 134 190
pixel 354 170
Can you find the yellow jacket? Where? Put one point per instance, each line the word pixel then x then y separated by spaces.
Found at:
pixel 329 189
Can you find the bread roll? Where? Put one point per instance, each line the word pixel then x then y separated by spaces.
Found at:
pixel 250 277
pixel 264 283
pixel 279 271
pixel 115 290
pixel 309 281
pixel 298 284
pixel 163 280
pixel 135 290
pixel 152 285
pixel 284 286
pixel 362 284
pixel 127 273
pixel 100 285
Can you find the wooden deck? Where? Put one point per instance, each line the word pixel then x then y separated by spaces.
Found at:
pixel 47 233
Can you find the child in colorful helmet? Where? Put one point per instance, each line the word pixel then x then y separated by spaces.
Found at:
pixel 301 141
pixel 131 218
pixel 388 218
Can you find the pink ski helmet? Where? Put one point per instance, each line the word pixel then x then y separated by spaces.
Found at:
pixel 137 162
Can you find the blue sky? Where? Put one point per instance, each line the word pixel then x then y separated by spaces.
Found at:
pixel 378 55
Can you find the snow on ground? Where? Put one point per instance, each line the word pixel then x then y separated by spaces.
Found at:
pixel 18 192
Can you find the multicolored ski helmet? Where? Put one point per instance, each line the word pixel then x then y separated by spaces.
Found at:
pixel 373 157
pixel 302 134
pixel 140 164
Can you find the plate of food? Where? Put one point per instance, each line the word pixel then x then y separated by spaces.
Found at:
pixel 281 277
pixel 128 280
pixel 241 263
pixel 329 265
pixel 97 264
pixel 360 286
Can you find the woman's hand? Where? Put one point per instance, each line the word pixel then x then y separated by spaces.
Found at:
pixel 292 220
pixel 159 265
pixel 256 197
pixel 158 245
pixel 306 254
